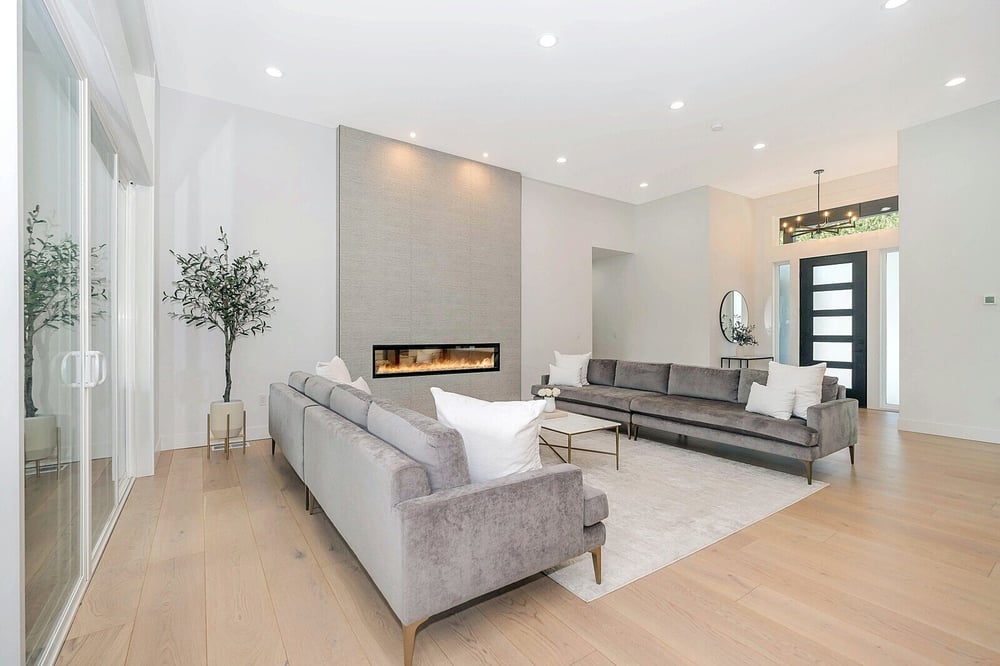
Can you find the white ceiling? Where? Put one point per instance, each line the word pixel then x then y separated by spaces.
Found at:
pixel 825 83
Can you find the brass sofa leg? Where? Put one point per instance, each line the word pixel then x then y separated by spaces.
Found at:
pixel 409 638
pixel 595 555
pixel 809 471
pixel 851 449
pixel 628 430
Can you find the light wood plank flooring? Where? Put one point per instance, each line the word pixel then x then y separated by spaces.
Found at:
pixel 216 562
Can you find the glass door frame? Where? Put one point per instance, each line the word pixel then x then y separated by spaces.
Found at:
pixel 883 331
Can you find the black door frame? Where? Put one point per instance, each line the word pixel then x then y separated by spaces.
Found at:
pixel 858 311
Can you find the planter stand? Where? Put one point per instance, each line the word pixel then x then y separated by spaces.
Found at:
pixel 227 441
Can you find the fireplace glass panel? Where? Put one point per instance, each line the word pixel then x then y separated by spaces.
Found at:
pixel 408 360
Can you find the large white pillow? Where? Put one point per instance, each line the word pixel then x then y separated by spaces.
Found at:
pixel 361 385
pixel 336 371
pixel 501 438
pixel 771 401
pixel 807 382
pixel 560 375
pixel 580 361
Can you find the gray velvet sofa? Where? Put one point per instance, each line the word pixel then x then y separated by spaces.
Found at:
pixel 396 486
pixel 710 403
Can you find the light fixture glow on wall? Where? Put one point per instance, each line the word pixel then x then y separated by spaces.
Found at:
pixel 548 40
pixel 957 81
pixel 273 72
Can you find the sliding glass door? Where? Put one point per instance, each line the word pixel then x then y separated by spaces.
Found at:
pixel 53 131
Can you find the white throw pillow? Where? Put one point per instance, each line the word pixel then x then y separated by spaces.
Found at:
pixel 807 382
pixel 500 438
pixel 771 401
pixel 361 385
pixel 564 375
pixel 336 371
pixel 580 361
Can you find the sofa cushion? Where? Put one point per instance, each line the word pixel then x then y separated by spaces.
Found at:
pixel 602 371
pixel 750 375
pixel 728 416
pixel 438 448
pixel 351 403
pixel 297 380
pixel 595 505
pixel 642 376
pixel 708 383
pixel 611 397
pixel 318 388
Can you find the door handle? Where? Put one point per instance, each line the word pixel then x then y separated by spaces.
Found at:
pixel 96 369
pixel 64 369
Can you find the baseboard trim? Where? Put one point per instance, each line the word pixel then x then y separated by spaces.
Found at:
pixel 194 440
pixel 974 433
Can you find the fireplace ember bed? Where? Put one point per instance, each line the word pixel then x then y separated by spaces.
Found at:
pixel 435 359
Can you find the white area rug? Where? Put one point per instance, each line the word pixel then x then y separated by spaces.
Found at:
pixel 666 502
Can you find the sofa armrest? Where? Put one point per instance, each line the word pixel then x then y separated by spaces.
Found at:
pixel 464 542
pixel 836 423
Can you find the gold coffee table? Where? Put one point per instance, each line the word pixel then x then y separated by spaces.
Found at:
pixel 577 424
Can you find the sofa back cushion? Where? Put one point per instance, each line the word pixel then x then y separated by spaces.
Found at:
pixel 318 388
pixel 297 380
pixel 642 376
pixel 750 375
pixel 708 383
pixel 351 403
pixel 438 448
pixel 601 371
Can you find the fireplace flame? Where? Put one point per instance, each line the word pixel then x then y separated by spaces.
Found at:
pixel 438 365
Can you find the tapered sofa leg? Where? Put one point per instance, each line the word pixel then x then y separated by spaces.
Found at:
pixel 851 449
pixel 809 471
pixel 409 639
pixel 635 433
pixel 595 555
pixel 308 501
pixel 272 446
pixel 628 430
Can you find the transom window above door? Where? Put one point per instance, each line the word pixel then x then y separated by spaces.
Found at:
pixel 857 218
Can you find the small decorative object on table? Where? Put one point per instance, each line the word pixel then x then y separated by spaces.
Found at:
pixel 550 395
pixel 742 334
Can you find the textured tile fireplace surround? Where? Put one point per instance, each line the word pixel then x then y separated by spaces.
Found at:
pixel 429 253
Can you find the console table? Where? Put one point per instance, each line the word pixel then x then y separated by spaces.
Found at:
pixel 742 361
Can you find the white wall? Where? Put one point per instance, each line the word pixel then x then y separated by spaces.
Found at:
pixel 767 211
pixel 559 229
pixel 271 182
pixel 670 284
pixel 949 235
pixel 610 292
pixel 730 239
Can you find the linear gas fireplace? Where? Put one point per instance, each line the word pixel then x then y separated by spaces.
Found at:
pixel 409 360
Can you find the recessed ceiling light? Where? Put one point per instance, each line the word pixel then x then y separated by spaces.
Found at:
pixel 413 135
pixel 717 126
pixel 759 146
pixel 893 4
pixel 957 81
pixel 560 160
pixel 643 184
pixel 548 40
pixel 679 104
pixel 486 154
pixel 273 71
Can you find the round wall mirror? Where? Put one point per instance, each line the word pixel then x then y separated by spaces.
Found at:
pixel 733 309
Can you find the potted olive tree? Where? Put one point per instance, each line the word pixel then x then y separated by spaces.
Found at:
pixel 51 301
pixel 232 295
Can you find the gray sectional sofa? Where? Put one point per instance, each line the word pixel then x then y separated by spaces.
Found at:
pixel 710 403
pixel 396 486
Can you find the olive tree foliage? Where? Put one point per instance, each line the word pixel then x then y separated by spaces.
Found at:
pixel 231 294
pixel 51 289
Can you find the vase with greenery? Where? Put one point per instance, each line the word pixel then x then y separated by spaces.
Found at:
pixel 51 301
pixel 229 294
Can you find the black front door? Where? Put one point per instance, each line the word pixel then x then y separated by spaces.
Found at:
pixel 833 318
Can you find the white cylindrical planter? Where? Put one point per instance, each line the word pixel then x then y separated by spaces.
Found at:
pixel 41 436
pixel 217 418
